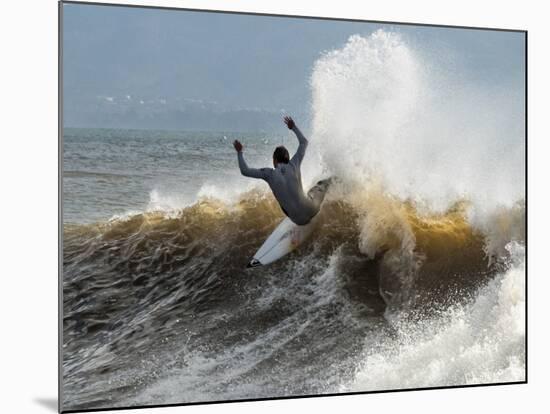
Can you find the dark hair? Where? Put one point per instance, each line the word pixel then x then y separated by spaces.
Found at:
pixel 281 155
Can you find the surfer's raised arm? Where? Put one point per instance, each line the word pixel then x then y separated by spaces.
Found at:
pixel 262 173
pixel 285 179
pixel 301 151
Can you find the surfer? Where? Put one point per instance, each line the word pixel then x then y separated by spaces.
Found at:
pixel 285 179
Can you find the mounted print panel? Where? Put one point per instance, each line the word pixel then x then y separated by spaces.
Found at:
pixel 261 206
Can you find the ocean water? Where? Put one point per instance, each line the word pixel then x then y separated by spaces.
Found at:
pixel 110 172
pixel 415 276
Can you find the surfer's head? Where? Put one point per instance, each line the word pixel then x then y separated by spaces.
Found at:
pixel 280 155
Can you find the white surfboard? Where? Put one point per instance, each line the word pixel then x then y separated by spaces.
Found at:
pixel 284 239
pixel 287 236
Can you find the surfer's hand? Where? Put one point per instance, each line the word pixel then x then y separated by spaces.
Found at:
pixel 289 122
pixel 238 146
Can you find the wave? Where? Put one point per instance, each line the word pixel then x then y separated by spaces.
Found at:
pixel 480 342
pixel 181 274
pixel 417 250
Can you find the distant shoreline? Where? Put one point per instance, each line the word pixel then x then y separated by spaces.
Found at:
pixel 206 131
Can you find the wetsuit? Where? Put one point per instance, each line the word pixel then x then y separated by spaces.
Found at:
pixel 286 183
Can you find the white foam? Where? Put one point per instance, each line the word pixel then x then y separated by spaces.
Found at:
pixel 167 202
pixel 171 202
pixel 483 342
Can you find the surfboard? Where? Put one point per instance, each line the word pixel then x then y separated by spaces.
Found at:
pixel 287 236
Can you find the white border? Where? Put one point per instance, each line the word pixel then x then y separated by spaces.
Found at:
pixel 28 168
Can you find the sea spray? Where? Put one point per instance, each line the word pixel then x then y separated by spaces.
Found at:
pixel 381 111
pixel 395 125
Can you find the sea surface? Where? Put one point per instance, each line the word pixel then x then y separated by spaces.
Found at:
pixel 415 276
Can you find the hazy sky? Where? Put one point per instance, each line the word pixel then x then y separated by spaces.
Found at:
pixel 137 57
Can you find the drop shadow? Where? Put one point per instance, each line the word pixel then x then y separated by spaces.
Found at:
pixel 49 403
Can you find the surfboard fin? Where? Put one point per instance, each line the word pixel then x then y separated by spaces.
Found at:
pixel 253 263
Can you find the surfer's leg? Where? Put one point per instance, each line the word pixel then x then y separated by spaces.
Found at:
pixel 317 193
